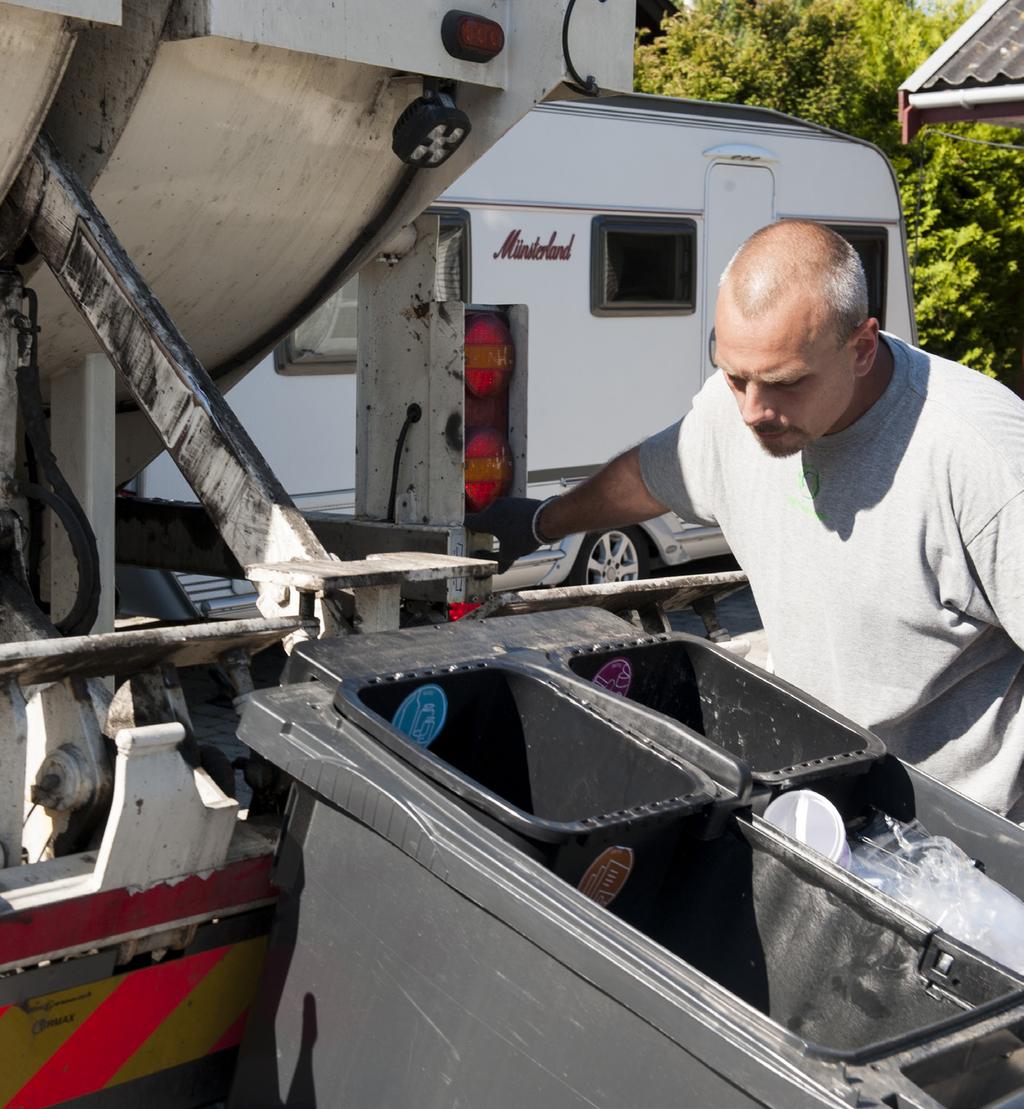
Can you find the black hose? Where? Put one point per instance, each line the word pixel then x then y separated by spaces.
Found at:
pixel 80 619
pixel 585 86
pixel 413 414
pixel 35 524
pixel 62 499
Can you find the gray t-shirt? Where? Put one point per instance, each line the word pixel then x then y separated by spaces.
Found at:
pixel 887 560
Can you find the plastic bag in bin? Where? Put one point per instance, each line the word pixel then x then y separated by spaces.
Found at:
pixel 933 876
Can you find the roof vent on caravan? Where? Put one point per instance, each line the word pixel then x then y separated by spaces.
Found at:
pixel 741 152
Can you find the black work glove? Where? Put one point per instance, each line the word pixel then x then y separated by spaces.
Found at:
pixel 511 521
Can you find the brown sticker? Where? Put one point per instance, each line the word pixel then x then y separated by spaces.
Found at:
pixel 606 875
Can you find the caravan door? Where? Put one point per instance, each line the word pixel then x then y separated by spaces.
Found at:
pixel 738 199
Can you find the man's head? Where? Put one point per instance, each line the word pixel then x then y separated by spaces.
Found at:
pixel 793 336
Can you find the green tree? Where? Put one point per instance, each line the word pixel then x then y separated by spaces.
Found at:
pixel 839 63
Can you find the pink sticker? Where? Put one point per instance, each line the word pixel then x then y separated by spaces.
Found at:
pixel 616 676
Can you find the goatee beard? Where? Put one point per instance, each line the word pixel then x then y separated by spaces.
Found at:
pixel 779 448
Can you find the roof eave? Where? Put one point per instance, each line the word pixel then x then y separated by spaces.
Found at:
pixel 960 36
pixel 1000 102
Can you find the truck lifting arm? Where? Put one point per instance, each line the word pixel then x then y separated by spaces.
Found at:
pixel 256 517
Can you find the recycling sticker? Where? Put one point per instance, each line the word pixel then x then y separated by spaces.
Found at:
pixel 615 676
pixel 422 714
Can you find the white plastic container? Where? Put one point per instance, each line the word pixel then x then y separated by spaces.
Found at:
pixel 813 820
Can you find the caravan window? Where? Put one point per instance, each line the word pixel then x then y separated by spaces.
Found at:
pixel 451 278
pixel 870 243
pixel 641 266
pixel 325 342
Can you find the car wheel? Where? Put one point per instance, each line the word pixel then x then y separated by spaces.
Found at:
pixel 616 555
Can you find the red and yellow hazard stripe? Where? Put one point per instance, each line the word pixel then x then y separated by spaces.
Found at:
pixel 75 1042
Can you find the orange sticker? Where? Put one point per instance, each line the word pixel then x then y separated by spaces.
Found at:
pixel 606 875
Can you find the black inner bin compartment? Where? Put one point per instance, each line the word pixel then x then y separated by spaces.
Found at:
pixel 543 769
pixel 815 950
pixel 786 737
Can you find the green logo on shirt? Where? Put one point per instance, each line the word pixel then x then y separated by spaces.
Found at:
pixel 809 483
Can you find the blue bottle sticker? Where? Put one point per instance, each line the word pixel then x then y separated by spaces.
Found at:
pixel 422 714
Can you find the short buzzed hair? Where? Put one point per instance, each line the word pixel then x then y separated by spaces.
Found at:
pixel 799 254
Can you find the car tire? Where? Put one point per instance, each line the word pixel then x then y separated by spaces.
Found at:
pixel 619 554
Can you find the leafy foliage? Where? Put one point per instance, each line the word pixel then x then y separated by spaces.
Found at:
pixel 839 63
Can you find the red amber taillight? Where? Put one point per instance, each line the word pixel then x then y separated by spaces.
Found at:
pixel 488 468
pixel 490 355
pixel 490 363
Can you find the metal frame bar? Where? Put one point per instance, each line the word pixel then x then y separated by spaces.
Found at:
pixel 247 503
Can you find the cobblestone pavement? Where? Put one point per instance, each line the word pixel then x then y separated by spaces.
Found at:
pixel 737 613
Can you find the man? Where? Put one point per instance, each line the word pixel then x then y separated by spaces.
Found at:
pixel 873 494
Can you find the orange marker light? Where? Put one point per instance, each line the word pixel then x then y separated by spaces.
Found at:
pixel 471 37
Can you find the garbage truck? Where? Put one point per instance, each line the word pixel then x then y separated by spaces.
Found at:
pixel 522 858
pixel 181 182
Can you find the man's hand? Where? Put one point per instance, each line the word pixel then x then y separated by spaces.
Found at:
pixel 613 497
pixel 511 521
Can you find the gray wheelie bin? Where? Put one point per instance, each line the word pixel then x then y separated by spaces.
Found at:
pixel 429 952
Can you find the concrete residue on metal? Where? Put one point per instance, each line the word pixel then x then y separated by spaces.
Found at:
pixel 217 457
pixel 34 49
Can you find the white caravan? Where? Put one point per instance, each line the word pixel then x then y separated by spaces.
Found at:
pixel 611 221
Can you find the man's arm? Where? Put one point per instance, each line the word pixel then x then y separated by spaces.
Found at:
pixel 615 496
pixel 998 568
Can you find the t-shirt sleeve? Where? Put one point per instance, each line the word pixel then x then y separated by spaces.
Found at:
pixel 996 555
pixel 679 465
pixel 660 466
